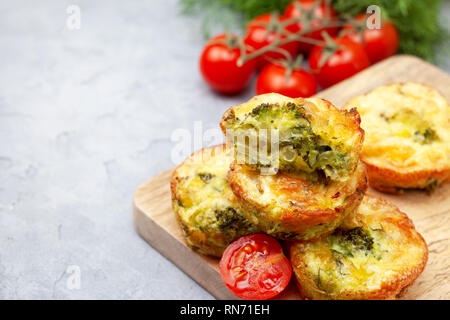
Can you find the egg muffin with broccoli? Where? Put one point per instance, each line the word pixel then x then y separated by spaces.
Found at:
pixel 407 144
pixel 314 149
pixel 292 206
pixel 375 254
pixel 206 208
pixel 294 135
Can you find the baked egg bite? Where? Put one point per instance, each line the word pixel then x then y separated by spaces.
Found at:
pixel 407 143
pixel 312 136
pixel 289 207
pixel 206 208
pixel 375 254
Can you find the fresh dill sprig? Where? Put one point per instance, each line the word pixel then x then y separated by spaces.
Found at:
pixel 229 14
pixel 214 14
pixel 249 8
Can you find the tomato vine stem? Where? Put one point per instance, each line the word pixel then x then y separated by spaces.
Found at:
pixel 284 36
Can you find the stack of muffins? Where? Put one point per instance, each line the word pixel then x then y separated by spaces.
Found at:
pixel 305 184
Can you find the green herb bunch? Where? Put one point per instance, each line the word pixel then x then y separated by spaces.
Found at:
pixel 230 13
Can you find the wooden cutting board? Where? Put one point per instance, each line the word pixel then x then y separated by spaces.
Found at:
pixel 155 221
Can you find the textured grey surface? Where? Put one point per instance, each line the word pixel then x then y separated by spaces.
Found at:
pixel 85 116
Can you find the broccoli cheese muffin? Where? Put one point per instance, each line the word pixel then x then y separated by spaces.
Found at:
pixel 206 208
pixel 407 144
pixel 375 254
pixel 311 135
pixel 289 207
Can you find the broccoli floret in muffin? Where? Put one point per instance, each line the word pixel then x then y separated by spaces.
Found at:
pixel 418 128
pixel 349 242
pixel 310 136
pixel 229 220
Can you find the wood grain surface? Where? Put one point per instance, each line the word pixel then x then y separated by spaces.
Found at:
pixel 155 221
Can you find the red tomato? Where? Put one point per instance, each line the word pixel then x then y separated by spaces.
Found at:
pixel 378 43
pixel 254 267
pixel 261 32
pixel 349 59
pixel 322 11
pixel 273 79
pixel 218 65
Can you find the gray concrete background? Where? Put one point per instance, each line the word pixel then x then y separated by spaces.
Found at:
pixel 85 117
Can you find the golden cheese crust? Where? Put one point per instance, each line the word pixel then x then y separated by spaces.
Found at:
pixel 205 207
pixel 407 143
pixel 291 207
pixel 375 254
pixel 314 136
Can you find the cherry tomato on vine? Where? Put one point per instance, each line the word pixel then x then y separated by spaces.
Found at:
pixel 345 58
pixel 322 11
pixel 262 31
pixel 378 43
pixel 254 267
pixel 218 65
pixel 275 78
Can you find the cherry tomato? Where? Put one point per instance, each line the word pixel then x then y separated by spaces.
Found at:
pixel 378 43
pixel 261 32
pixel 218 65
pixel 254 267
pixel 322 11
pixel 273 79
pixel 347 60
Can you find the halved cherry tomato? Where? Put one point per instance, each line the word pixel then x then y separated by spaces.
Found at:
pixel 378 43
pixel 254 267
pixel 218 65
pixel 272 78
pixel 348 59
pixel 323 10
pixel 261 32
